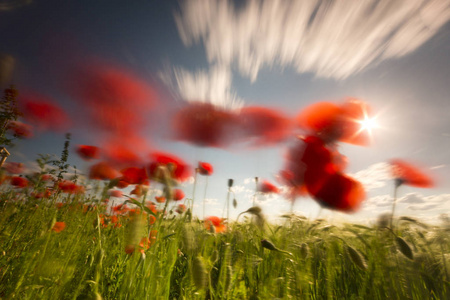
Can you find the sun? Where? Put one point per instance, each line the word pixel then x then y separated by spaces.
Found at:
pixel 368 123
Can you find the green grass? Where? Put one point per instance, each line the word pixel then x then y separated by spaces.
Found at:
pixel 311 259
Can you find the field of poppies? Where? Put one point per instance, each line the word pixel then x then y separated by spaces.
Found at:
pixel 106 235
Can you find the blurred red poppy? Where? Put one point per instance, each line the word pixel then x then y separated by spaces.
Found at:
pixel 102 171
pixel 205 168
pixel 215 223
pixel 19 182
pixel 309 163
pixel 14 167
pixel 181 208
pixel 59 226
pixel 204 124
pixel 178 168
pixel 267 188
pixel 332 122
pixel 43 113
pixel 340 192
pixel 138 191
pixel 178 195
pixel 115 193
pixel 263 126
pixel 406 173
pixel 19 129
pixel 88 152
pixel 134 175
pixel 67 186
pixel 161 199
pixel 121 184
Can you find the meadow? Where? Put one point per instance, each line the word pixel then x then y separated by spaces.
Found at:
pixel 71 246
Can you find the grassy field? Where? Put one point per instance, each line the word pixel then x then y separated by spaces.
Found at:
pixel 70 246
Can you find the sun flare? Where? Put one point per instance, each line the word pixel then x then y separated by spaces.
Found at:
pixel 368 123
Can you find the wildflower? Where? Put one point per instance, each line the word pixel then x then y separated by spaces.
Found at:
pixel 267 188
pixel 263 125
pixel 102 171
pixel 46 177
pixel 181 208
pixel 215 223
pixel 332 122
pixel 178 195
pixel 67 186
pixel 19 129
pixel 59 226
pixel 204 124
pixel 340 192
pixel 178 168
pixel 406 173
pixel 205 168
pixel 14 167
pixel 120 209
pixel 121 184
pixel 134 175
pixel 137 191
pixel 115 193
pixel 19 182
pixel 43 113
pixel 88 152
pixel 160 199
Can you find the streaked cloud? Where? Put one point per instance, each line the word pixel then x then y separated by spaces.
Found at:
pixel 332 39
pixel 374 177
pixel 213 86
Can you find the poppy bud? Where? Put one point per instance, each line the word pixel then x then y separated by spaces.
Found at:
pixel 230 183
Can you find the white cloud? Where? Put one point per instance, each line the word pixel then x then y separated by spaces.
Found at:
pixel 412 199
pixel 329 38
pixel 374 177
pixel 202 86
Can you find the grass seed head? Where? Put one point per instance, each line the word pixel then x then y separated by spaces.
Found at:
pixel 199 273
pixel 404 248
pixel 357 258
pixel 304 250
pixel 268 245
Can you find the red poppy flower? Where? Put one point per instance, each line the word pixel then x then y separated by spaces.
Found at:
pixel 181 208
pixel 88 152
pixel 115 193
pixel 43 112
pixel 102 171
pixel 116 99
pixel 122 184
pixel 70 187
pixel 14 167
pixel 178 195
pixel 263 125
pixel 19 129
pixel 179 169
pixel 59 226
pixel 309 163
pixel 409 174
pixel 120 209
pixel 340 192
pixel 134 175
pixel 216 223
pixel 161 199
pixel 137 191
pixel 205 168
pixel 47 177
pixel 267 188
pixel 332 122
pixel 19 182
pixel 204 124
pixel 354 111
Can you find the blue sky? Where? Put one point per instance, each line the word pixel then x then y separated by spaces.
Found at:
pixel 283 54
